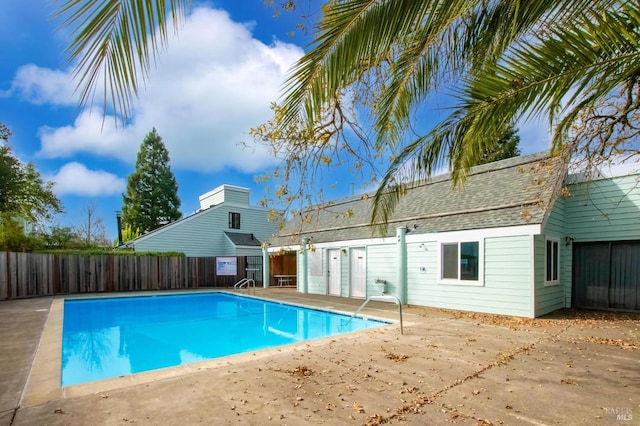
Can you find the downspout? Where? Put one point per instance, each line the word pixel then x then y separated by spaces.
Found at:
pixel 401 290
pixel 265 266
pixel 304 277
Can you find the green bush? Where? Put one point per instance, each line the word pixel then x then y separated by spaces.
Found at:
pixel 105 251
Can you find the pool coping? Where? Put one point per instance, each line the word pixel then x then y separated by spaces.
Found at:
pixel 43 382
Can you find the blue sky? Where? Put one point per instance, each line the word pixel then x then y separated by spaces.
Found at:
pixel 215 81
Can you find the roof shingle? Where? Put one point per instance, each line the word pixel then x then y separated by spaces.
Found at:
pixel 512 192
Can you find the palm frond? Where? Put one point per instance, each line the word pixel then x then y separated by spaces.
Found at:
pixel 573 65
pixel 116 41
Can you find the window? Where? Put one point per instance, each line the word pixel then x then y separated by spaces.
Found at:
pixel 552 256
pixel 234 220
pixel 460 261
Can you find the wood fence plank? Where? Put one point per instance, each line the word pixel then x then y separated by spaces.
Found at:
pixel 35 274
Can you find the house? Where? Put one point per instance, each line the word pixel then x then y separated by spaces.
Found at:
pixel 225 225
pixel 510 241
pixel 602 224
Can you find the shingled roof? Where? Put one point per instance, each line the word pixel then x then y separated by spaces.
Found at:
pixel 512 192
pixel 242 239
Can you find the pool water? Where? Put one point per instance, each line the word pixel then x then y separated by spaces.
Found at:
pixel 111 337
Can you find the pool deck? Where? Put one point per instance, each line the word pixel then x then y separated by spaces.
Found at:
pixel 448 367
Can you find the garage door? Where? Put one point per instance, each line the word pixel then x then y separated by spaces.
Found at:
pixel 606 275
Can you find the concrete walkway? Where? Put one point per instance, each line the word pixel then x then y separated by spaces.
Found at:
pixel 449 367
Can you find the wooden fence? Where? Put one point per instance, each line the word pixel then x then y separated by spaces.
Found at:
pixel 35 274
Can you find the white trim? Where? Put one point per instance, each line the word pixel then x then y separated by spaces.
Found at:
pixel 505 231
pixel 467 283
pixel 414 237
pixel 221 188
pixel 357 243
pixel 557 255
pixel 532 265
pixel 278 249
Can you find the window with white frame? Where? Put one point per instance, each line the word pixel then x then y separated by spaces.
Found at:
pixel 460 262
pixel 552 260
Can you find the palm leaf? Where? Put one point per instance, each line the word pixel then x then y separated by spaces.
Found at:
pixel 571 66
pixel 116 41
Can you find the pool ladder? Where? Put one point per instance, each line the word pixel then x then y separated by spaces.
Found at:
pixel 380 299
pixel 246 283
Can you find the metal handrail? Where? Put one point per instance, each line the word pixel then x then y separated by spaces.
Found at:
pixel 246 282
pixel 380 299
pixel 240 283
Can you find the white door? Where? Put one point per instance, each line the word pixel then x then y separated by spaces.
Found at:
pixel 333 272
pixel 357 273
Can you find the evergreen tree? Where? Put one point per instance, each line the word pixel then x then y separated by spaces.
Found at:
pixel 26 200
pixel 23 192
pixel 506 147
pixel 151 199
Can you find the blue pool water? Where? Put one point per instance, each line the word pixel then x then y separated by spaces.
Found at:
pixel 112 337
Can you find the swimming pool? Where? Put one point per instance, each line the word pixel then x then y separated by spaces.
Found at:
pixel 111 337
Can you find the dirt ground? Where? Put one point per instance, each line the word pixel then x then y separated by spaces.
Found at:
pixel 449 367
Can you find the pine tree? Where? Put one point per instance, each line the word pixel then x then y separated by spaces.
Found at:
pixel 151 199
pixel 506 147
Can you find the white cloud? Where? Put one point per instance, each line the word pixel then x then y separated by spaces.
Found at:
pixel 213 84
pixel 90 132
pixel 42 86
pixel 75 179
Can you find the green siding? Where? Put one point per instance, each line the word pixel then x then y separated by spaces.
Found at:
pixel 242 251
pixel 381 264
pixel 203 234
pixel 236 197
pixel 601 210
pixel 421 272
pixel 604 210
pixel 344 272
pixel 225 194
pixel 318 283
pixel 507 279
pixel 552 297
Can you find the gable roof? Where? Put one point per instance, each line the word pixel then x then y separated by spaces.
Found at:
pixel 512 192
pixel 192 216
pixel 242 239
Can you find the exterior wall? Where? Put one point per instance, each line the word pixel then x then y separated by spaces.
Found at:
pixel 421 273
pixel 600 210
pixel 604 210
pixel 507 278
pixel 344 272
pixel 317 284
pixel 248 251
pixel 508 274
pixel 225 194
pixel 203 234
pixel 381 265
pixel 236 197
pixel 549 298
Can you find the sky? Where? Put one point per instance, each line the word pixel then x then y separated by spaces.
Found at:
pixel 214 82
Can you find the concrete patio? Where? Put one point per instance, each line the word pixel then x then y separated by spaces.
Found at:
pixel 448 368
